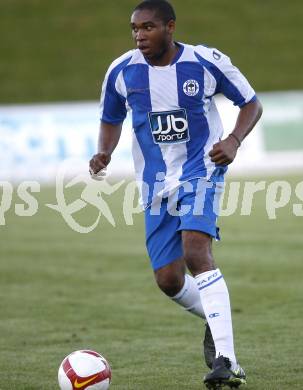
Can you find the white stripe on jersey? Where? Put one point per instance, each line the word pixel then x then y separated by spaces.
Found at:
pixel 137 58
pixel 139 164
pixel 188 54
pixel 216 132
pixel 210 83
pixel 120 84
pixel 164 97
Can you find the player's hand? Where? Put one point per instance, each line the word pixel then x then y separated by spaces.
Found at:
pixel 98 164
pixel 224 152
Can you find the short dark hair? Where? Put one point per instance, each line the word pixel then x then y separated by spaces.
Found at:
pixel 163 9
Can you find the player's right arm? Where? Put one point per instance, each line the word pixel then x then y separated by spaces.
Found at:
pixel 112 115
pixel 109 136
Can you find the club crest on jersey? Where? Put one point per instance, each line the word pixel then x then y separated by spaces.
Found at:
pixel 191 87
pixel 169 127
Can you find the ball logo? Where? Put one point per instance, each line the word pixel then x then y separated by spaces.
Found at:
pixel 191 88
pixel 169 126
pixel 80 385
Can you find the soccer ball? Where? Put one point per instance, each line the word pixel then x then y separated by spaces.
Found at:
pixel 85 370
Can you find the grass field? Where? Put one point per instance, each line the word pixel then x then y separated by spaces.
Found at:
pixel 54 51
pixel 61 291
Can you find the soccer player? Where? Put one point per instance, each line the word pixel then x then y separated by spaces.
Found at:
pixel 169 87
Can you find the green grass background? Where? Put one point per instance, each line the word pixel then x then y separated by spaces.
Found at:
pixel 61 291
pixel 59 50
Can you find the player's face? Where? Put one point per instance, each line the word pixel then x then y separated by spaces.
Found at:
pixel 152 36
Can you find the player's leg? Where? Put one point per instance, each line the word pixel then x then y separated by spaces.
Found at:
pixel 212 287
pixel 164 246
pixel 197 233
pixel 182 289
pixel 213 291
pixel 216 304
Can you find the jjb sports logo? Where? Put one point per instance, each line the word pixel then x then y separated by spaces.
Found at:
pixel 169 127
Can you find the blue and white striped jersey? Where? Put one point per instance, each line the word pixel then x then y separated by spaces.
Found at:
pixel 175 119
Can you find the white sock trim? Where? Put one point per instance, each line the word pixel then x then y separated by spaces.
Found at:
pixel 208 278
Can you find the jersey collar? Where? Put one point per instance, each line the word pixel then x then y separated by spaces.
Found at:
pixel 175 59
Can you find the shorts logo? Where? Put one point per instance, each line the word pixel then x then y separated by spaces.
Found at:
pixel 169 127
pixel 191 87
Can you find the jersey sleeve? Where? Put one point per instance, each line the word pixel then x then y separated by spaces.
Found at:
pixel 113 101
pixel 227 78
pixel 232 83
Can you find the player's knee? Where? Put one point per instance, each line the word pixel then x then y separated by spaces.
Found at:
pixel 198 262
pixel 169 283
pixel 197 253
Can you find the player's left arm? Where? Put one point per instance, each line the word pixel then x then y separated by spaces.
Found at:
pixel 232 83
pixel 224 152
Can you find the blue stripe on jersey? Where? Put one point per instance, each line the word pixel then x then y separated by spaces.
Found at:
pixel 224 85
pixel 136 79
pixel 137 88
pixel 198 125
pixel 114 111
